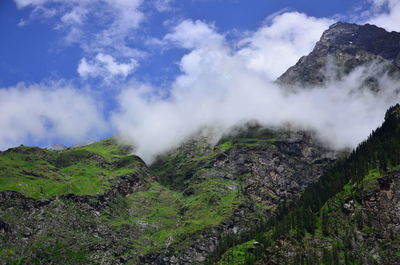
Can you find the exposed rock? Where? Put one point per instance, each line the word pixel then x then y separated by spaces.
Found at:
pixel 279 171
pixel 345 46
pixel 58 147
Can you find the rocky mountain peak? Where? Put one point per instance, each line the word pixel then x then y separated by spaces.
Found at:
pixel 367 37
pixel 347 46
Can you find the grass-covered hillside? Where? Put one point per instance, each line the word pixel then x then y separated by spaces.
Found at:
pixel 98 204
pixel 83 197
pixel 44 173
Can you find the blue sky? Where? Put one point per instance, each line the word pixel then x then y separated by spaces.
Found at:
pixel 72 71
pixel 23 47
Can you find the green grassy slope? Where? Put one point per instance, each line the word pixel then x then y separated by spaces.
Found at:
pixel 147 221
pixel 43 173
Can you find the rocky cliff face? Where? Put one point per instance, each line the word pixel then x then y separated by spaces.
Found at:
pixel 280 171
pixel 341 49
pixel 267 168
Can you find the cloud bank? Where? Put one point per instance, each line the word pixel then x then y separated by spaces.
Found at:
pixel 222 86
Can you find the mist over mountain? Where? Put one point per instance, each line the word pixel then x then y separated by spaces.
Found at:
pixel 340 90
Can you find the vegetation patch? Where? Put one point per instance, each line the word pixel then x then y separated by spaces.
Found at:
pixel 87 170
pixel 239 255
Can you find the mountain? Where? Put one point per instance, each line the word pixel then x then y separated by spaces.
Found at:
pixel 112 204
pixel 341 49
pixel 257 196
pixel 264 168
pixel 350 216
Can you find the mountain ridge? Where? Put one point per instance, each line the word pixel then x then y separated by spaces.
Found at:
pixel 346 46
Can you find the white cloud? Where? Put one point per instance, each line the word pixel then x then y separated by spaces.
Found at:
pixel 270 50
pixel 106 67
pixel 117 17
pixel 275 47
pixel 385 13
pixel 98 26
pixel 47 112
pixel 194 34
pixel 220 87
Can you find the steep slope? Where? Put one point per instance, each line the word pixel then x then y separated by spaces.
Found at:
pixel 341 49
pixel 265 169
pixel 350 216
